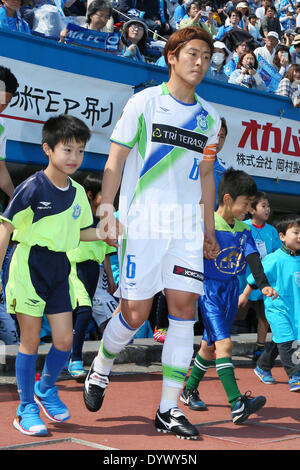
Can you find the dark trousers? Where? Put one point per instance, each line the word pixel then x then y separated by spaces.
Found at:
pixel 162 312
pixel 286 351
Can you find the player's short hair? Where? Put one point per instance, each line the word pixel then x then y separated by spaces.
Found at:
pixel 288 221
pixel 93 183
pixel 258 197
pixel 236 183
pixel 64 128
pixel 10 82
pixel 181 37
pixel 224 125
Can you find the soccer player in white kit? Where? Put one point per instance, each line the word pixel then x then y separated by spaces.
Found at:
pixel 162 153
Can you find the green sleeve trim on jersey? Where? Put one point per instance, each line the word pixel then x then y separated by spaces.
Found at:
pixel 139 137
pixel 120 143
pixel 1 129
pixel 2 158
pixel 132 142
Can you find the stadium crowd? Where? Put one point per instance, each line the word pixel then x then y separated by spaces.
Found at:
pixel 255 45
pixel 257 42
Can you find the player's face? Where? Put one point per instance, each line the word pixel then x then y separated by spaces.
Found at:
pixel 262 210
pixel 291 239
pixel 66 157
pixel 192 63
pixel 222 138
pixel 241 207
pixel 5 99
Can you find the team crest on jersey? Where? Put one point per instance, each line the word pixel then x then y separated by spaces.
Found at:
pixel 230 260
pixel 202 120
pixel 297 278
pixel 76 211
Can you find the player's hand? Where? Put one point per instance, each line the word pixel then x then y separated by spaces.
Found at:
pixel 268 291
pixel 210 246
pixel 110 228
pixel 243 300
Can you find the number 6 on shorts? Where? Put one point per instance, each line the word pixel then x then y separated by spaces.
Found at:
pixel 130 271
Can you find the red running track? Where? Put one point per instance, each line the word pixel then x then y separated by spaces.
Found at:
pixel 125 421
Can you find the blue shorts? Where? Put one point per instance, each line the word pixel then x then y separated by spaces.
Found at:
pixel 218 308
pixel 84 279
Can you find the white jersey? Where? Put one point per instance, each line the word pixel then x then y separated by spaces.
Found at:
pixel 168 140
pixel 3 138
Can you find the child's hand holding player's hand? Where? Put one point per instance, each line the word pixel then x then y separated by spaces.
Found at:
pixel 268 291
pixel 243 299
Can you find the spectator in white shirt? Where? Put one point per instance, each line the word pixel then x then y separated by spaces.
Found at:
pixel 253 28
pixel 261 11
pixel 268 51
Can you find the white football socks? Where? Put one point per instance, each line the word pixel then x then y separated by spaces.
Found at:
pixel 116 336
pixel 176 358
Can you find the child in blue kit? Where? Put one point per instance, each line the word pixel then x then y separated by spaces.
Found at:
pixel 283 314
pixel 219 305
pixel 48 215
pixel 267 241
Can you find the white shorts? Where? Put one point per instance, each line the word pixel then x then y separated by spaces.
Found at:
pixel 149 266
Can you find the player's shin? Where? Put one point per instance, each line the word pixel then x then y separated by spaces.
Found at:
pixel 176 358
pixel 116 336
